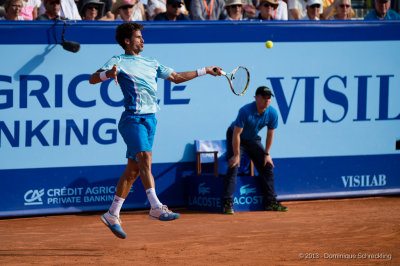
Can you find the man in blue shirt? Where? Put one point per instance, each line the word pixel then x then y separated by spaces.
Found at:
pixel 137 77
pixel 242 136
pixel 382 11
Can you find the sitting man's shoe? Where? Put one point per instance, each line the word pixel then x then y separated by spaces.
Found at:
pixel 276 206
pixel 114 223
pixel 228 207
pixel 163 214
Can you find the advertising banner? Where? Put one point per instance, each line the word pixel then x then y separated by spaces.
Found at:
pixel 336 86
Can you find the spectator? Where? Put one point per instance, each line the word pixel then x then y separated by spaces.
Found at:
pixel 382 11
pixel 280 13
pixel 340 9
pixel 249 9
pixel 52 10
pixel 267 9
pixel 92 10
pixel 297 9
pixel 234 9
pixel 128 10
pixel 68 10
pixel 156 7
pixel 13 10
pixel 313 9
pixel 208 10
pixel 173 13
pixel 30 9
pixel 106 9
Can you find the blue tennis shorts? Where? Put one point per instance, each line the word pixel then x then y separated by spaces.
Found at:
pixel 138 132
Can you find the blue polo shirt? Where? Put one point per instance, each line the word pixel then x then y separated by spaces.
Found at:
pixel 252 122
pixel 137 77
pixel 391 14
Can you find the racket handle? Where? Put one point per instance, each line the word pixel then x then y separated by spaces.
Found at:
pixel 222 72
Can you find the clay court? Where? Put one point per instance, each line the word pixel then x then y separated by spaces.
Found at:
pixel 358 231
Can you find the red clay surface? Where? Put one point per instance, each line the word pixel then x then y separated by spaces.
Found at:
pixel 360 231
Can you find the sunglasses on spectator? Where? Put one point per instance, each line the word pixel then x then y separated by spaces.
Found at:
pixel 176 5
pixel 315 6
pixel 55 3
pixel 235 6
pixel 269 5
pixel 126 7
pixel 92 7
pixel 343 6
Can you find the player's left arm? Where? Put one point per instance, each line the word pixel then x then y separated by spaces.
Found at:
pixel 189 75
pixel 268 144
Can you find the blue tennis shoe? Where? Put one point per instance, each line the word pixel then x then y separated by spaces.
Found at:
pixel 163 214
pixel 114 223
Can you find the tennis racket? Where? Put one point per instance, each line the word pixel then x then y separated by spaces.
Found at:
pixel 238 79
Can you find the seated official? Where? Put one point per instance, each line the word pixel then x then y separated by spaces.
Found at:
pixel 173 12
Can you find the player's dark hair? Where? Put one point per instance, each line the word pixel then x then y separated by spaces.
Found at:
pixel 126 30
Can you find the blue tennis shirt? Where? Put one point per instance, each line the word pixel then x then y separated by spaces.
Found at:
pixel 252 122
pixel 137 77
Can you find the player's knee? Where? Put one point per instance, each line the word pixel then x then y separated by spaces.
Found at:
pixel 144 157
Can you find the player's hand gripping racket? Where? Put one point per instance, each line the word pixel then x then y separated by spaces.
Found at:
pixel 238 79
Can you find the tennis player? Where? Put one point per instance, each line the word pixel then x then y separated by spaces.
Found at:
pixel 137 77
pixel 242 136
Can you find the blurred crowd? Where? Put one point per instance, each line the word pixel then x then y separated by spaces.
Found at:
pixel 173 10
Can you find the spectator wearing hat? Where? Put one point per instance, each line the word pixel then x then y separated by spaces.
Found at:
pixel 92 10
pixel 234 9
pixel 242 136
pixel 313 10
pixel 13 10
pixel 208 10
pixel 52 8
pixel 173 12
pixel 382 11
pixel 267 9
pixel 128 10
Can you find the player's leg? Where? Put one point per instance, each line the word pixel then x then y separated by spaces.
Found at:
pixel 255 150
pixel 229 181
pixel 158 210
pixel 111 218
pixel 144 158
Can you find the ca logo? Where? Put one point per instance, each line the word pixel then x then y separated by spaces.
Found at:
pixel 34 197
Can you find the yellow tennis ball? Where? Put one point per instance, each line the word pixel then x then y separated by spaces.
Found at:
pixel 269 44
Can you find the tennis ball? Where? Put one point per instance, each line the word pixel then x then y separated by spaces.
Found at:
pixel 269 44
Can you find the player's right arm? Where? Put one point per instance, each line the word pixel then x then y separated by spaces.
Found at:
pixel 102 75
pixel 235 159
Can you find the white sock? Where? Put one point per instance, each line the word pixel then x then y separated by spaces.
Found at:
pixel 153 199
pixel 116 205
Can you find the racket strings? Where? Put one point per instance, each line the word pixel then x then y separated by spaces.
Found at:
pixel 240 80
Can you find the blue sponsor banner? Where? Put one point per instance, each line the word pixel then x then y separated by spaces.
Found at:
pixel 77 189
pixel 305 178
pixel 59 135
